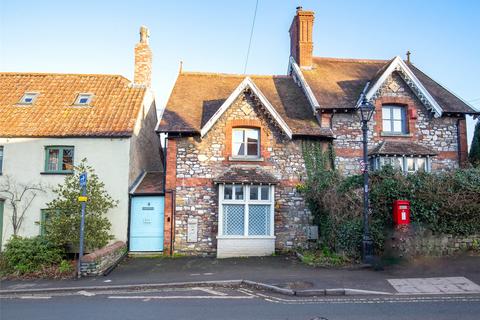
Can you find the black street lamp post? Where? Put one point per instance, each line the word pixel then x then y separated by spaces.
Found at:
pixel 366 112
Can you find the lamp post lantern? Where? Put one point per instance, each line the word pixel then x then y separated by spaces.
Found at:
pixel 366 112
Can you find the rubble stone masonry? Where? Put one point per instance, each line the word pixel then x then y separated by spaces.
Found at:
pixel 438 134
pixel 199 160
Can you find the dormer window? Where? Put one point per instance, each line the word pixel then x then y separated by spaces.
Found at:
pixel 28 98
pixel 83 99
pixel 246 143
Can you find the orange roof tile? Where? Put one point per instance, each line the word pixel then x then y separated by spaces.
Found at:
pixel 112 111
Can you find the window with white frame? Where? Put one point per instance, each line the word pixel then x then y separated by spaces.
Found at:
pixel 246 142
pixel 83 99
pixel 394 119
pixel 404 164
pixel 246 210
pixel 28 98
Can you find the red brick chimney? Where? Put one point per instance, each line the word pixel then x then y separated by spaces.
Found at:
pixel 301 43
pixel 143 59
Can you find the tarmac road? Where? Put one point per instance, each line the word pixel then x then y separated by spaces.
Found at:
pixel 214 303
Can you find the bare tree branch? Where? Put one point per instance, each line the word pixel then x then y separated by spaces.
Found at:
pixel 19 197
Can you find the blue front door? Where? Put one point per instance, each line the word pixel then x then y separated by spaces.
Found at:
pixel 146 223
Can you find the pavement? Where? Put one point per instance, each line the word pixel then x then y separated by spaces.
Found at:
pixel 459 274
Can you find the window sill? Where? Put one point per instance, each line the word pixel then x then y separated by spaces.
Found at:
pixel 245 159
pixel 392 134
pixel 57 173
pixel 246 237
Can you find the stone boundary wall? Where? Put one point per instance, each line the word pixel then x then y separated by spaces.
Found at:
pixel 412 243
pixel 97 262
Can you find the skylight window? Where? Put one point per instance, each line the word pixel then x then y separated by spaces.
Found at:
pixel 83 99
pixel 29 98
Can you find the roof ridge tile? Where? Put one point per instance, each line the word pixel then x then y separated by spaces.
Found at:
pixel 356 60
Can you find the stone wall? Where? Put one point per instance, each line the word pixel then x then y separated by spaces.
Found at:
pixel 99 261
pixel 438 134
pixel 199 160
pixel 411 242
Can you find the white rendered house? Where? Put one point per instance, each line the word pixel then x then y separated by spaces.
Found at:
pixel 50 122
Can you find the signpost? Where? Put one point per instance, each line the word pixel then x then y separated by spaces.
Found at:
pixel 83 199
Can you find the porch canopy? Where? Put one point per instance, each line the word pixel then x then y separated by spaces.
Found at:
pixel 400 148
pixel 246 175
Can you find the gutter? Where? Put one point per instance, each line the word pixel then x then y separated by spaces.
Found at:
pixel 173 195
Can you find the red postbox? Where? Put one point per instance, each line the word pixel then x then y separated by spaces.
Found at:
pixel 401 212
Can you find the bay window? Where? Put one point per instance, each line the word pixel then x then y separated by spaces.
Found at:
pixel 246 210
pixel 405 164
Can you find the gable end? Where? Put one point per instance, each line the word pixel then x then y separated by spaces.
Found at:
pixel 411 80
pixel 247 84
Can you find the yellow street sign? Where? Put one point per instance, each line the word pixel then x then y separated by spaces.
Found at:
pixel 82 198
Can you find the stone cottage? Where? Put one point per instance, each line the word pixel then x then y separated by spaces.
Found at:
pixel 233 143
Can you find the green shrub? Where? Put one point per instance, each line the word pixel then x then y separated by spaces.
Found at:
pixel 65 267
pixel 26 255
pixel 324 258
pixel 446 202
pixel 63 225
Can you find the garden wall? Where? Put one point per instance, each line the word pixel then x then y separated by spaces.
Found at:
pixel 422 242
pixel 97 262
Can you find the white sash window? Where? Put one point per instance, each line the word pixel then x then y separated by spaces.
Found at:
pixel 246 211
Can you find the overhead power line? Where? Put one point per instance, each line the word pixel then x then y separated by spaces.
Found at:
pixel 251 36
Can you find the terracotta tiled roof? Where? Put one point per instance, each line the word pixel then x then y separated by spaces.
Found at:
pixel 197 96
pixel 151 183
pixel 112 111
pixel 252 174
pixel 338 83
pixel 401 148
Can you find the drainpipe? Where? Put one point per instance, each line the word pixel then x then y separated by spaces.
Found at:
pixel 459 145
pixel 165 150
pixel 172 219
pixel 173 197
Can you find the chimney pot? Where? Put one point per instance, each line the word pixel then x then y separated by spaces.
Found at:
pixel 144 34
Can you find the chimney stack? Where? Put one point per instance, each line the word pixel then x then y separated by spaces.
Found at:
pixel 301 43
pixel 143 59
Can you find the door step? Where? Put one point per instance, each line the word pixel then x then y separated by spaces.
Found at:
pixel 146 254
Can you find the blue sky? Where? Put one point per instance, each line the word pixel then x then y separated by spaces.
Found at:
pixel 98 36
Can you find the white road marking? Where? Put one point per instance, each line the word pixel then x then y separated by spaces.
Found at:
pixel 210 291
pixel 108 280
pixel 247 292
pixel 180 297
pixel 194 274
pixel 371 300
pixel 207 274
pixel 36 297
pixel 445 285
pixel 86 293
